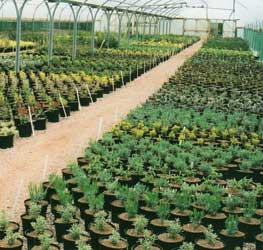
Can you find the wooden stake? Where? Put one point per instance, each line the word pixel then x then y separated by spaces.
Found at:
pixel 31 121
pixel 63 107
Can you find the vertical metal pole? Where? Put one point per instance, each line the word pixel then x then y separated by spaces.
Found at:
pixel 108 15
pixel 19 13
pixel 170 27
pixel 144 27
pixel 129 28
pixel 120 17
pixel 137 26
pixel 75 30
pixel 51 29
pixel 150 26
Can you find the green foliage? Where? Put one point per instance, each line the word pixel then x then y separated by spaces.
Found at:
pixel 210 236
pixel 174 229
pixel 231 224
pixel 131 207
pixel 34 210
pixel 100 220
pixel 3 221
pixel 36 192
pixel 76 231
pixel 196 217
pixel 115 237
pixel 140 224
pixel 40 225
pixel 45 242
pixel 147 241
pixel 68 213
pixel 163 211
pixel 187 246
pixel 11 237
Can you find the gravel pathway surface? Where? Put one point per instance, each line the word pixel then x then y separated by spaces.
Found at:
pixel 67 139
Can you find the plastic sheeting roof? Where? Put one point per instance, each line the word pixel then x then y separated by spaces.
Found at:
pixel 247 10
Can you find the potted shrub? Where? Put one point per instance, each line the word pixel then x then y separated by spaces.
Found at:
pixel 82 245
pixel 136 233
pixel 33 213
pixel 52 112
pixel 160 225
pixel 151 200
pixel 110 194
pixel 72 100
pixel 11 241
pixel 7 133
pixel 75 233
pixel 147 242
pixel 66 107
pixel 211 241
pixel 100 228
pixel 213 216
pixel 249 225
pixel 183 202
pixel 259 237
pixel 187 246
pixel 96 204
pixel 37 195
pixel 194 230
pixel 126 219
pixel 46 243
pixel 113 242
pixel 118 206
pixel 23 122
pixel 40 227
pixel 63 224
pixel 172 239
pixel 231 236
pixel 5 224
pixel 232 203
pixel 39 116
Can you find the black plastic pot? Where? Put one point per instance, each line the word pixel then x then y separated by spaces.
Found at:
pixel 25 130
pixel 109 198
pixel 259 242
pixel 74 106
pixel 116 209
pixel 67 110
pixel 217 222
pixel 148 213
pixel 249 228
pixel 157 227
pixel 53 115
pixel 17 246
pixel 40 124
pixel 62 228
pixel 172 244
pixel 232 242
pixel 33 239
pixel 26 223
pixel 11 225
pixel 53 247
pixel 95 235
pixel 6 141
pixel 155 247
pixel 70 244
pixel 125 223
pixel 85 101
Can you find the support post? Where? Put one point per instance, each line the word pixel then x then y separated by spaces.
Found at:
pixel 19 12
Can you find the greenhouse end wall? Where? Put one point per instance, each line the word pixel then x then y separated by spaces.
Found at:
pixel 203 27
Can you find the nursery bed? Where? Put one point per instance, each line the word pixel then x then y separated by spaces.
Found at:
pixel 55 147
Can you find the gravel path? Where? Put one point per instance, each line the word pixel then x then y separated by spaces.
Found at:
pixel 67 139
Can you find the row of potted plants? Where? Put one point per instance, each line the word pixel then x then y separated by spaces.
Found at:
pixel 47 96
